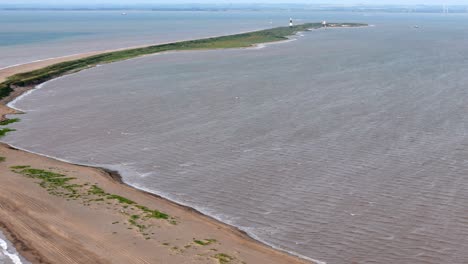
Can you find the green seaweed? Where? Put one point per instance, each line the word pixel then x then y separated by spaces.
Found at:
pixel 4 131
pixel 9 121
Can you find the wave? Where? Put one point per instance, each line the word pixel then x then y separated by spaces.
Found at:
pixel 13 256
pixel 12 104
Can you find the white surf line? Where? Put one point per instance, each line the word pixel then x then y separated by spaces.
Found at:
pixel 169 198
pixel 266 44
pixel 37 87
pixel 225 221
pixel 13 257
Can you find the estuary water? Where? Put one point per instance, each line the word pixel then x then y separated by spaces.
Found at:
pixel 344 146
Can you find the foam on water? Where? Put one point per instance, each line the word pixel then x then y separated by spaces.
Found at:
pixel 12 104
pixel 8 252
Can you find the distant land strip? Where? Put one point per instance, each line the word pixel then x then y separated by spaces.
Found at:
pixel 243 40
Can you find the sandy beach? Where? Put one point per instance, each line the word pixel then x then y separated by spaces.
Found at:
pixel 47 227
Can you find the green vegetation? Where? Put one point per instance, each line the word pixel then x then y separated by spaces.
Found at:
pixel 135 217
pixel 4 131
pixel 204 242
pixel 152 213
pixel 120 199
pixel 5 122
pixel 2 159
pixel 223 258
pixel 9 121
pixel 50 180
pixel 141 227
pixel 61 185
pixel 232 41
pixel 96 190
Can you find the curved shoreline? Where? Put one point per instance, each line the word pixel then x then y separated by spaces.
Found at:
pixel 116 178
pixel 35 256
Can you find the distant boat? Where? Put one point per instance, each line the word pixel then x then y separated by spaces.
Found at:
pixel 124 14
pixel 416 26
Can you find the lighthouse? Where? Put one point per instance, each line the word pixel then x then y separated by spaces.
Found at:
pixel 324 23
pixel 290 22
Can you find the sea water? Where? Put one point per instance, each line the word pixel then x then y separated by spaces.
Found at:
pixel 345 145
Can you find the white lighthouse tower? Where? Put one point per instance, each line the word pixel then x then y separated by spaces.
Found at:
pixel 290 22
pixel 324 23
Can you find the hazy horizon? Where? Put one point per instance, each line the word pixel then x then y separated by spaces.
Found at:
pixel 230 2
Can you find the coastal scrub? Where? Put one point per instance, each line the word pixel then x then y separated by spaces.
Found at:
pixel 64 186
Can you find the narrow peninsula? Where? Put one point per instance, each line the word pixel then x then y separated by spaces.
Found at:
pixel 242 40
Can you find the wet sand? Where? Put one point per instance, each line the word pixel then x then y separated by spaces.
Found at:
pixel 50 229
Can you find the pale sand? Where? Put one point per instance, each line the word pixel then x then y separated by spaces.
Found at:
pixel 49 229
pixel 5 72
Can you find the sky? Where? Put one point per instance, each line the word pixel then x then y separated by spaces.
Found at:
pixel 159 2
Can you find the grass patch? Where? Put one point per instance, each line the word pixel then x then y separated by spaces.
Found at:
pixel 2 159
pixel 96 191
pixel 61 185
pixel 36 77
pixel 135 217
pixel 141 227
pixel 120 199
pixel 223 258
pixel 49 180
pixel 4 131
pixel 9 121
pixel 204 242
pixel 152 213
